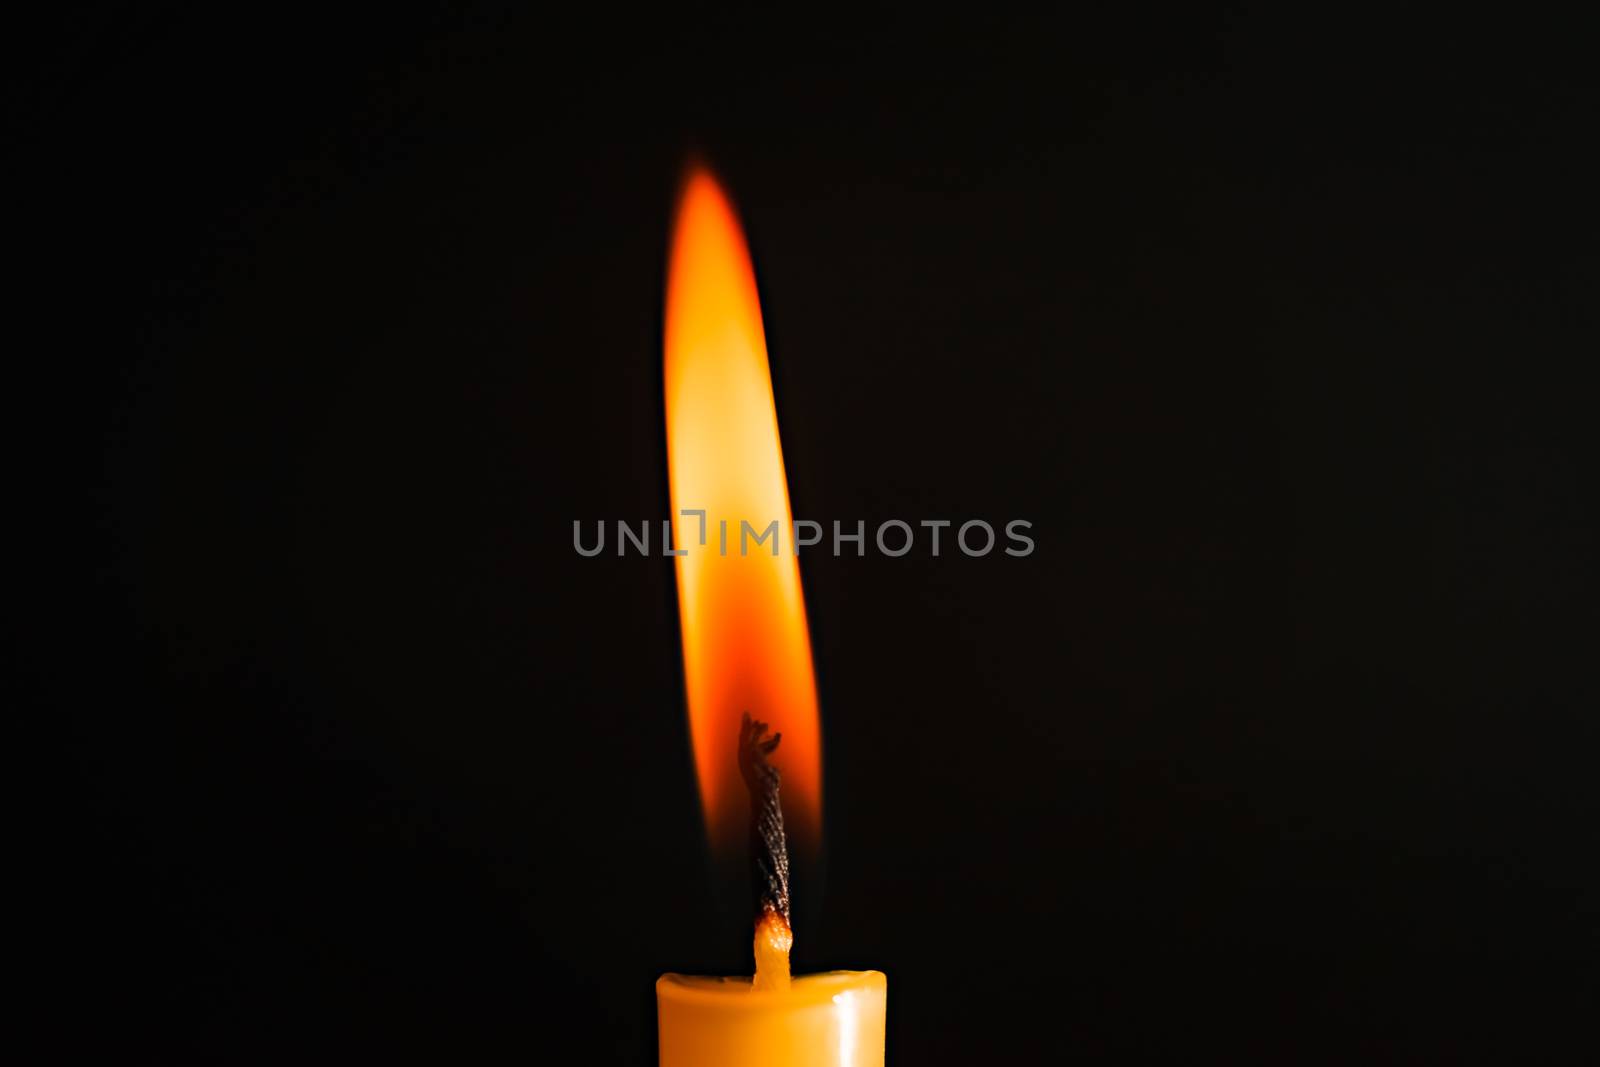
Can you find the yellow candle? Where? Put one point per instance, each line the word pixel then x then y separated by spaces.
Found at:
pixel 746 650
pixel 821 1020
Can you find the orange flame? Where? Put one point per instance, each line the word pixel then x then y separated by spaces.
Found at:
pixel 745 642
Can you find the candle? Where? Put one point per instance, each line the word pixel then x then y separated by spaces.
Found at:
pixel 769 1020
pixel 746 650
pixel 820 1021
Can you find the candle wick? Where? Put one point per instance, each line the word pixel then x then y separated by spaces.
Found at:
pixel 772 943
pixel 769 855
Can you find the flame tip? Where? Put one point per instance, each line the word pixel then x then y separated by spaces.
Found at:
pixel 699 175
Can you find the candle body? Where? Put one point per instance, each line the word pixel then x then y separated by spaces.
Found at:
pixel 822 1020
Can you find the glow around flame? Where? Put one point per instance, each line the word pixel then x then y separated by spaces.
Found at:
pixel 745 642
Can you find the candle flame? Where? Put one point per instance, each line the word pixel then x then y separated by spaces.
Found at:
pixel 746 647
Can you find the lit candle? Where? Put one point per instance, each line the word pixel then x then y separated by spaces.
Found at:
pixel 746 649
pixel 771 1019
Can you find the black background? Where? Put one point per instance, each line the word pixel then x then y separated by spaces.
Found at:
pixel 1278 749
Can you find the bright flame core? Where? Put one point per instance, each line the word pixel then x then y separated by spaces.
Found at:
pixel 745 642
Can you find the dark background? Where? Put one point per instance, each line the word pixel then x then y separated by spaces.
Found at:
pixel 1278 749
